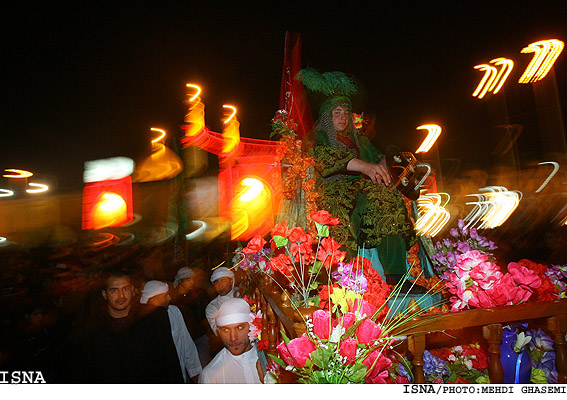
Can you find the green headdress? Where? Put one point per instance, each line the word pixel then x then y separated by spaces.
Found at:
pixel 336 86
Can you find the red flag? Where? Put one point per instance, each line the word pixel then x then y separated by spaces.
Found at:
pixel 292 92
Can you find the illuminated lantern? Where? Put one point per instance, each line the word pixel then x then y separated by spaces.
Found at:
pixel 107 194
pixel 250 195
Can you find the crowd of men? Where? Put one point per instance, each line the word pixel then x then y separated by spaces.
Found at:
pixel 157 332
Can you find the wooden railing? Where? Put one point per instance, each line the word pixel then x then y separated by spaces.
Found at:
pixel 428 332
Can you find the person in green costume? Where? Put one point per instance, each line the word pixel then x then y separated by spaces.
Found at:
pixel 355 186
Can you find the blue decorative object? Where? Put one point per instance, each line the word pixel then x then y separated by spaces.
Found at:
pixel 517 366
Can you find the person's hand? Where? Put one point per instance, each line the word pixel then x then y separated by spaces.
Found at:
pixel 378 173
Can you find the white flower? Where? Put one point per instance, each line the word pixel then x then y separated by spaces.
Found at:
pixel 521 341
pixel 336 334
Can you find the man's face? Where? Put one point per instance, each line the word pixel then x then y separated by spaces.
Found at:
pixel 223 285
pixel 118 295
pixel 187 283
pixel 160 300
pixel 235 337
pixel 341 117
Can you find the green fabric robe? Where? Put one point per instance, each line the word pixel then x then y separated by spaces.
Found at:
pixel 372 215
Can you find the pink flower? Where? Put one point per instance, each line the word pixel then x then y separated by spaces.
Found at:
pixel 467 261
pixel 348 320
pixel 297 351
pixel 486 274
pixel 347 349
pixel 323 324
pixel 481 300
pixel 363 307
pixel 377 366
pixel 524 276
pixel 368 331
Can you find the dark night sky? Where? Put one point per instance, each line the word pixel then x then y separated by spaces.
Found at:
pixel 87 82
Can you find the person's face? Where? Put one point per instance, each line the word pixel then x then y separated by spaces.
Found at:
pixel 118 295
pixel 223 285
pixel 187 283
pixel 341 117
pixel 160 300
pixel 235 337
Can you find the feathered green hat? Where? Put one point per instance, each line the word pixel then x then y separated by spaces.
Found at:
pixel 336 86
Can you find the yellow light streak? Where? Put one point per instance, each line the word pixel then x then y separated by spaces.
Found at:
pixel 546 53
pixel 433 132
pixel 40 188
pixel 231 115
pixel 494 77
pixel 432 215
pixel 109 211
pixel 160 137
pixel 486 81
pixel 231 132
pixel 555 169
pixel 6 193
pixel 254 186
pixel 507 66
pixel 18 173
pixel 196 95
pixel 2 239
pixel 493 208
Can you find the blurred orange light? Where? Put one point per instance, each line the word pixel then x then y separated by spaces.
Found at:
pixel 493 78
pixel 6 193
pixel 19 173
pixel 545 55
pixel 110 210
pixel 555 169
pixel 251 208
pixel 196 95
pixel 231 132
pixel 433 132
pixel 432 215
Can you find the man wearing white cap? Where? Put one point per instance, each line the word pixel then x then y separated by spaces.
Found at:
pixel 192 301
pixel 155 293
pixel 223 282
pixel 238 361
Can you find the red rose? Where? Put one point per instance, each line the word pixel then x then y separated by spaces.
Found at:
pixel 401 379
pixel 368 331
pixel 255 245
pixel 297 351
pixel 347 349
pixel 329 253
pixel 323 324
pixel 524 276
pixel 281 263
pixel 280 229
pixel 324 218
pixel 297 235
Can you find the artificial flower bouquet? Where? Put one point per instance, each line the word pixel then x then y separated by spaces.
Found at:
pixel 351 337
pixel 475 280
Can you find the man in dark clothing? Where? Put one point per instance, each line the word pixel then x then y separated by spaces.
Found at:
pixel 124 344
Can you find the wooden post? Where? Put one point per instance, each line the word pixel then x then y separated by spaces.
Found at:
pixel 416 346
pixel 493 334
pixel 272 330
pixel 558 326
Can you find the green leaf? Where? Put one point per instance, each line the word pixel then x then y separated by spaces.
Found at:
pixel 320 357
pixel 322 230
pixel 284 337
pixel 278 360
pixel 358 373
pixel 280 240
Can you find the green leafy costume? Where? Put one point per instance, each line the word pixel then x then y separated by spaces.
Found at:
pixel 372 215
